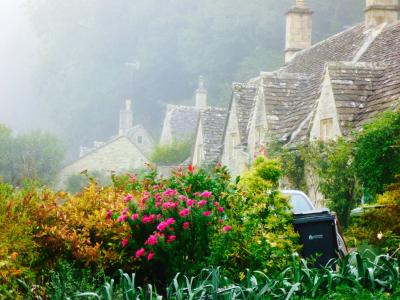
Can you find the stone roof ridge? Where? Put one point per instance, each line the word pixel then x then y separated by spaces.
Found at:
pixel 283 74
pixel 332 37
pixel 239 86
pixel 372 33
pixel 181 107
pixel 356 65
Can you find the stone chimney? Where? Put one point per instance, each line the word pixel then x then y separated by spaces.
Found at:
pixel 298 29
pixel 201 94
pixel 381 11
pixel 125 118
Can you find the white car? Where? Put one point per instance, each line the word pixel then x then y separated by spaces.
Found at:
pixel 301 204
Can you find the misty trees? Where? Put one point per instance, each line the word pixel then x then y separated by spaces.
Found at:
pixel 35 156
pixel 83 78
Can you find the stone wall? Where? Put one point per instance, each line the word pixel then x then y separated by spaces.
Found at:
pixel 119 155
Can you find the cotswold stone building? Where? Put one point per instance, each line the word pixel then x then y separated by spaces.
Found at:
pixel 324 91
pixel 129 150
pixel 181 121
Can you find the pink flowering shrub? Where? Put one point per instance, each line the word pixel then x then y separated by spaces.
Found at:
pixel 173 221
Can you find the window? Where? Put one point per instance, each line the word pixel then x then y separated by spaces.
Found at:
pixel 140 139
pixel 326 129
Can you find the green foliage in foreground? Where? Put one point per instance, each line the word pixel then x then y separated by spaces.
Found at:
pixel 171 154
pixel 361 275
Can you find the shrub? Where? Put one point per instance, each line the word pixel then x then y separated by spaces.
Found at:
pixel 377 157
pixel 172 154
pixel 18 249
pixel 380 227
pixel 173 221
pixel 262 235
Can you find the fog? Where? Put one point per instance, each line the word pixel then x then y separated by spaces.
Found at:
pixel 66 66
pixel 18 53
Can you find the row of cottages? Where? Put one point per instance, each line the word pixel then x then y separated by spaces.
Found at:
pixel 129 150
pixel 323 91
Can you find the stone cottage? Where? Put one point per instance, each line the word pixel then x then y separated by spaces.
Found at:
pixel 181 121
pixel 128 150
pixel 323 91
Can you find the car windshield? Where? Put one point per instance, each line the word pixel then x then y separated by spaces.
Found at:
pixel 300 203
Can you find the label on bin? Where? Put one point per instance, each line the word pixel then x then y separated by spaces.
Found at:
pixel 315 237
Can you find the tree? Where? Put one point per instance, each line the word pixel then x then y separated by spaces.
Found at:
pixel 377 153
pixel 35 156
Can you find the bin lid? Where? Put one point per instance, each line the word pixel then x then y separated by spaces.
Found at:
pixel 313 216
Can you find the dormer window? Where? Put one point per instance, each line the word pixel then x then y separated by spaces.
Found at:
pixel 326 128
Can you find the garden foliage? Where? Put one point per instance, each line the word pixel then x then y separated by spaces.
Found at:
pixel 172 154
pixel 262 236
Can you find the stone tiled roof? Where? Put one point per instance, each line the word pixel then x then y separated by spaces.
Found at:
pixel 352 85
pixel 340 47
pixel 368 86
pixel 385 50
pixel 213 122
pixel 281 95
pixel 244 95
pixel 182 120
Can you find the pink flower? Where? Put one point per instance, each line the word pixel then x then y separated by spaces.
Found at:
pixel 190 202
pixel 227 228
pixel 148 219
pixel 150 256
pixel 182 198
pixel 170 221
pixel 159 217
pixel 171 238
pixel 125 211
pixel 122 218
pixel 221 209
pixel 162 226
pixel 109 214
pixel 201 203
pixel 169 193
pixel 158 197
pixel 184 212
pixel 135 217
pixel 124 242
pixel 185 225
pixel 152 240
pixel 140 252
pixel 216 203
pixel 169 204
pixel 128 198
pixel 206 194
pixel 207 213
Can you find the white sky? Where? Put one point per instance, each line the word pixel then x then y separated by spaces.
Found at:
pixel 17 55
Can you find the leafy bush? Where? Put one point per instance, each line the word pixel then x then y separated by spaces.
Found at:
pixel 18 249
pixel 380 227
pixel 377 157
pixel 262 235
pixel 172 154
pixel 172 222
